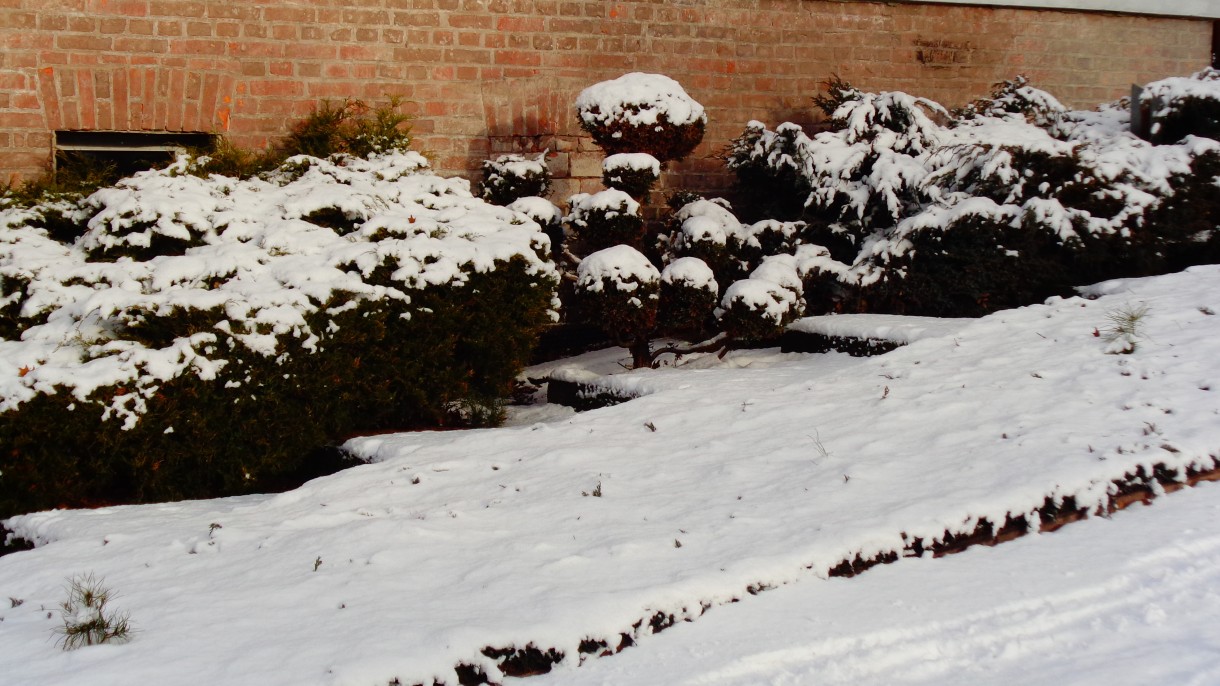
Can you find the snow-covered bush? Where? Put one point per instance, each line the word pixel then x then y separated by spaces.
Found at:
pixel 634 173
pixel 1016 97
pixel 642 113
pixel 707 230
pixel 1013 200
pixel 617 288
pixel 1184 106
pixel 759 307
pixel 546 215
pixel 689 294
pixel 609 217
pixel 511 177
pixel 203 335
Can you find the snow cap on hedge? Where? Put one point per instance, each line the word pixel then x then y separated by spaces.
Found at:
pixel 707 221
pixel 638 99
pixel 541 210
pixel 691 272
pixel 766 299
pixel 610 203
pixel 621 266
pixel 633 161
pixel 248 254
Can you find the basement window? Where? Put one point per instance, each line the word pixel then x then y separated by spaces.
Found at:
pixel 123 153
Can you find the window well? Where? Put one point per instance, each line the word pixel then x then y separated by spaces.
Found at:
pixel 127 152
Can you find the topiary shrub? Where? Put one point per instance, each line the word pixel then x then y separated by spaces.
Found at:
pixel 617 289
pixel 632 173
pixel 637 112
pixel 759 307
pixel 707 230
pixel 512 177
pixel 688 297
pixel 221 368
pixel 604 219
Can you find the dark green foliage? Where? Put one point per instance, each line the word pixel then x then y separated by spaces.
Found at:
pixel 625 317
pixel 1190 219
pixel 1175 115
pixel 511 177
pixel 633 182
pixel 681 198
pixel 226 159
pixel 765 238
pixel 1187 117
pixel 685 311
pixel 746 323
pixel 159 243
pixel 771 185
pixel 663 140
pixel 351 127
pixel 263 417
pixel 601 228
pixel 837 91
pixel 334 219
pixel 976 266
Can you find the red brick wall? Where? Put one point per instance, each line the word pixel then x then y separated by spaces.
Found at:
pixel 486 76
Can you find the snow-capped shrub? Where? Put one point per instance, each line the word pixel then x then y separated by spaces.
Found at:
pixel 637 112
pixel 757 309
pixel 707 230
pixel 1184 106
pixel 617 289
pixel 600 220
pixel 771 170
pixel 220 366
pixel 863 175
pixel 767 237
pixel 689 294
pixel 1015 200
pixel 632 173
pixel 1016 97
pixel 511 177
pixel 546 215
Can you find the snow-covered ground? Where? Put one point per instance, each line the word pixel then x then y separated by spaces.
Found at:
pixel 763 469
pixel 1128 600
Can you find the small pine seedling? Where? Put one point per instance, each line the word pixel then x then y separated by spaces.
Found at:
pixel 1126 327
pixel 87 619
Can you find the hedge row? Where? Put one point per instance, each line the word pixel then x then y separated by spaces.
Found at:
pixel 205 337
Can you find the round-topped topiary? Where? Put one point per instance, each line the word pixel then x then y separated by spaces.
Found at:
pixel 640 112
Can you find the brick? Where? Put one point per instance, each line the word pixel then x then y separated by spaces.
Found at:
pixel 198 64
pixel 71 41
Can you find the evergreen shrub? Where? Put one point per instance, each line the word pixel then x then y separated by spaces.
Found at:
pixel 1184 106
pixel 512 177
pixel 642 113
pixel 632 173
pixel 1003 203
pixel 604 219
pixel 223 366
